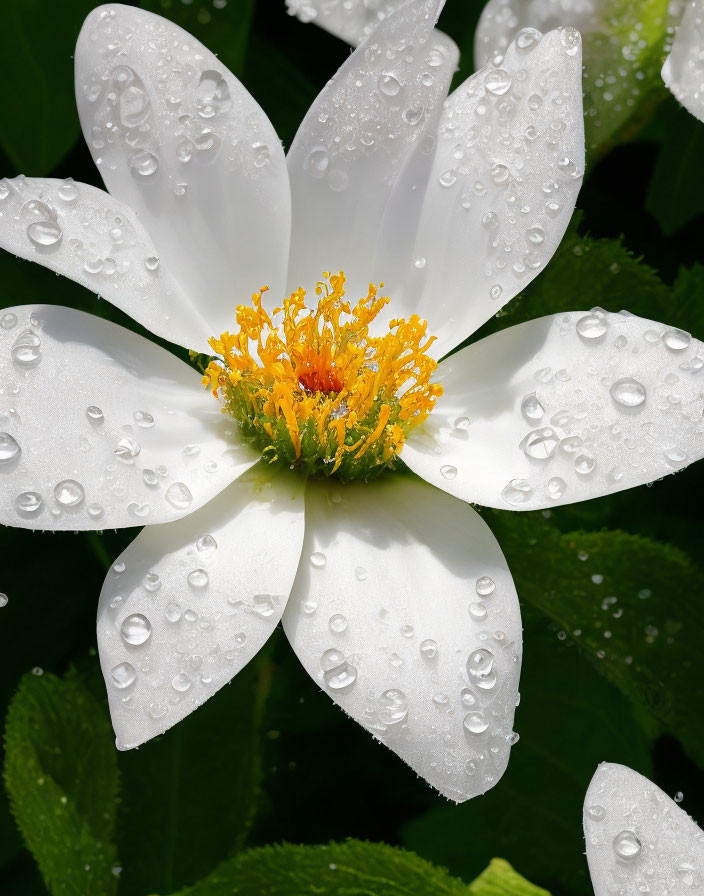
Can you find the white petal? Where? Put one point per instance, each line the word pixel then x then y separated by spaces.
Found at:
pixel 683 71
pixel 638 839
pixel 101 428
pixel 87 235
pixel 361 158
pixel 350 20
pixel 407 585
pixel 561 409
pixel 502 19
pixel 179 139
pixel 207 592
pixel 505 179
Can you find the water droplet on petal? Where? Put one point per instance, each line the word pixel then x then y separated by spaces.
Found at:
pixel 531 408
pixel 123 675
pixel 596 813
pixel 143 419
pixel 448 471
pixel 135 629
pixel 540 444
pixel 592 326
pixel 517 492
pixel 181 683
pixel 475 723
pixel 428 648
pixel 45 234
pixel 95 415
pixel 393 707
pixel 338 623
pixel 527 39
pixel 627 846
pixel 571 40
pixel 69 493
pixel 318 559
pixel 677 340
pixel 179 496
pixel 497 82
pixel 28 503
pixel 173 612
pixel 198 578
pixel 628 392
pixel 206 545
pixel 9 448
pixel 143 164
pixel 556 487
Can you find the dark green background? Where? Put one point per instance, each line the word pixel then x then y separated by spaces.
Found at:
pixel 270 758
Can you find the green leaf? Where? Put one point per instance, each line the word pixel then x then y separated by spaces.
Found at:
pixel 688 292
pixel 353 868
pixel 61 777
pixel 222 28
pixel 188 797
pixel 676 191
pixel 569 719
pixel 39 123
pixel 630 604
pixel 622 60
pixel 500 879
pixel 585 272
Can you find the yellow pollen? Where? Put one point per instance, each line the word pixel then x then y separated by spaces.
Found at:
pixel 313 387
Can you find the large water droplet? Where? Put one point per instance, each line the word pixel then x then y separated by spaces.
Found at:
pixel 9 448
pixel 143 165
pixel 143 419
pixel 448 471
pixel 584 461
pixel 497 82
pixel 518 491
pixel 677 340
pixel 123 675
pixel 135 629
pixel 540 444
pixel 317 162
pixel 592 326
pixel 475 723
pixel 69 493
pixel 198 578
pixel 213 94
pixel 338 623
pixel 628 392
pixel 571 40
pixel 531 408
pixel 480 664
pixel 127 449
pixel 28 503
pixel 318 559
pixel 595 812
pixel 331 659
pixel 181 683
pixel 627 846
pixel 342 677
pixel 95 415
pixel 527 39
pixel 393 707
pixel 556 487
pixel 179 496
pixel 485 586
pixel 428 648
pixel 206 546
pixel 45 234
pixel 389 85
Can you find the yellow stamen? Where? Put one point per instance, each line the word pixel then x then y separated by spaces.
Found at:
pixel 318 387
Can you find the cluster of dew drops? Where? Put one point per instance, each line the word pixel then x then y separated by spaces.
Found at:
pixel 545 442
pixel 69 495
pixel 389 711
pixel 136 630
pixel 631 855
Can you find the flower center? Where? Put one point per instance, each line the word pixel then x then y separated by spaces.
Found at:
pixel 312 388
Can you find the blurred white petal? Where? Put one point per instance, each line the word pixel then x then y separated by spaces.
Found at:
pixel 561 409
pixel 404 611
pixel 350 20
pixel 188 604
pixel 683 71
pixel 100 428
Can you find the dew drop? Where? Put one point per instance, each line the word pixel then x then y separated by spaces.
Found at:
pixel 591 326
pixel 135 629
pixel 3 599
pixel 485 586
pixel 179 496
pixel 69 493
pixel 338 623
pixel 389 85
pixel 556 487
pixel 181 683
pixel 428 648
pixel 206 546
pixel 497 82
pixel 198 578
pixel 475 723
pixel 627 846
pixel 318 559
pixel 44 234
pixel 677 340
pixel 361 573
pixel 342 677
pixel 531 408
pixel 628 392
pixel 123 675
pixel 143 419
pixel 152 581
pixel 28 503
pixel 517 492
pixel 143 164
pixel 95 415
pixel 448 471
pixel 9 448
pixel 540 444
pixel 478 610
pixel 393 707
pixel 595 812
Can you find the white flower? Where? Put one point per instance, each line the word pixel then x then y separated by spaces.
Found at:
pixel 394 595
pixel 683 71
pixel 638 839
